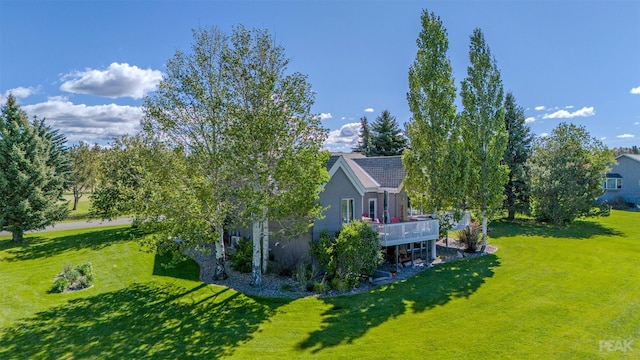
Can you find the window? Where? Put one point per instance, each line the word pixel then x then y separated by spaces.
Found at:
pixel 612 183
pixel 373 208
pixel 348 212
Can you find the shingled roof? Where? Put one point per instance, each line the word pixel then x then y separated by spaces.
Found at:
pixel 332 160
pixel 385 170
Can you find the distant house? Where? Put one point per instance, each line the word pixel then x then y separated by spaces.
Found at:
pixel 623 182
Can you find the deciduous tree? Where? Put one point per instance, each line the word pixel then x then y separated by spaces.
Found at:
pixel 484 134
pixel 435 163
pixel 567 168
pixel 85 164
pixel 34 171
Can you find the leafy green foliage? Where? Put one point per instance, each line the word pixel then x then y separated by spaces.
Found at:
pixel 567 169
pixel 240 130
pixel 34 172
pixel 435 163
pixel 516 190
pixel 484 133
pixel 355 251
pixel 85 165
pixel 386 137
pixel 242 256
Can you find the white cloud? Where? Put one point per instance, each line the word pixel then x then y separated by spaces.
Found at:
pixel 343 118
pixel 636 123
pixel 118 80
pixel 368 110
pixel 344 139
pixel 544 135
pixel 80 122
pixel 19 93
pixel 539 108
pixel 603 138
pixel 635 90
pixel 529 120
pixel 569 107
pixel 564 114
pixel 626 136
pixel 324 116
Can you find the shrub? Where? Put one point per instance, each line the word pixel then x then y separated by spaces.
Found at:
pixel 618 204
pixel 470 236
pixel 79 278
pixel 354 251
pixel 60 284
pixel 242 258
pixel 320 286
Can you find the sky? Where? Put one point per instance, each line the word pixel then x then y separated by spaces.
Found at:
pixel 85 66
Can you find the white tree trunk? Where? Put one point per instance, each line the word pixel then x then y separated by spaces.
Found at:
pixel 484 231
pixel 256 262
pixel 219 271
pixel 265 245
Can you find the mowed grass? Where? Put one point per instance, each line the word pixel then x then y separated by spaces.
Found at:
pixel 547 293
pixel 82 211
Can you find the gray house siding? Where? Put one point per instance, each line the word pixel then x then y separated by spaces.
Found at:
pixel 629 168
pixel 338 188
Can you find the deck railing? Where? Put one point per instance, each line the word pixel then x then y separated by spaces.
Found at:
pixel 406 232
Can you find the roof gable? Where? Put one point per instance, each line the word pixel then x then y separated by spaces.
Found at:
pixel 387 171
pixel 630 156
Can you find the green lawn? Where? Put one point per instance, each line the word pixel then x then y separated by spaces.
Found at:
pixel 547 293
pixel 82 212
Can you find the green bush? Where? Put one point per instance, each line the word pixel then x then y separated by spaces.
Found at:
pixel 241 259
pixel 60 284
pixel 353 252
pixel 470 236
pixel 320 286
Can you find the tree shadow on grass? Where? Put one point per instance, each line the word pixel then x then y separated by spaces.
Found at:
pixel 187 269
pixel 579 229
pixel 350 317
pixel 154 320
pixel 40 247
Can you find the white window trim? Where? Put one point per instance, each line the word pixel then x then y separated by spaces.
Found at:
pixel 350 211
pixel 617 186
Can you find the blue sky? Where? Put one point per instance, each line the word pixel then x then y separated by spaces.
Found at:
pixel 85 66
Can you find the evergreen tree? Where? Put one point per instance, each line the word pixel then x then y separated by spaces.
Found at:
pixel 387 138
pixel 484 133
pixel 33 172
pixel 364 141
pixel 515 157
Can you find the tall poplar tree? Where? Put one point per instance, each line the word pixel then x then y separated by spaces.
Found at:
pixel 435 163
pixel 516 190
pixel 484 132
pixel 34 171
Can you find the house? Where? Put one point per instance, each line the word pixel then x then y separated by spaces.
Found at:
pixel 370 189
pixel 623 182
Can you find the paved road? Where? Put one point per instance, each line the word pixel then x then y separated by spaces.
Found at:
pixel 79 225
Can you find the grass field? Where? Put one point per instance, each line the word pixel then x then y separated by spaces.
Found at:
pixel 547 293
pixel 82 212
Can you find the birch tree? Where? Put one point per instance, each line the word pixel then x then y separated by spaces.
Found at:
pixel 435 162
pixel 275 141
pixel 187 120
pixel 484 133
